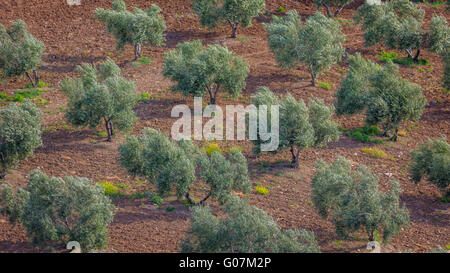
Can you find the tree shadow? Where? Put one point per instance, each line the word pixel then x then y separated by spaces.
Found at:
pixel 427 209
pixel 66 64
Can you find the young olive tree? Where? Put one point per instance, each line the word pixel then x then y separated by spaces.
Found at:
pixel 20 134
pixel 244 229
pixel 177 165
pixel 432 160
pixel 382 93
pixel 316 44
pixel 300 126
pixel 397 24
pixel 20 51
pixel 55 210
pixel 135 28
pixel 340 4
pixel 196 70
pixel 100 95
pixel 213 13
pixel 353 201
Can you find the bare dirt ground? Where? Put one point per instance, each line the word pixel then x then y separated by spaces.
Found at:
pixel 72 37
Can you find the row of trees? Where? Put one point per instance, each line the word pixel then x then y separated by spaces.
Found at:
pixel 316 44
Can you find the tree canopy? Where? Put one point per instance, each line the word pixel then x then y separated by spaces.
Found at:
pixel 340 4
pixel 176 166
pixel 55 210
pixel 382 93
pixel 197 69
pixel 20 51
pixel 244 229
pixel 316 44
pixel 100 95
pixel 300 126
pixel 432 160
pixel 20 134
pixel 135 28
pixel 353 201
pixel 213 13
pixel 398 24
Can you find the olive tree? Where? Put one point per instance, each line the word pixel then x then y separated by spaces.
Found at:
pixel 432 160
pixel 56 210
pixel 384 96
pixel 176 166
pixel 300 126
pixel 439 42
pixel 135 28
pixel 244 229
pixel 316 44
pixel 351 97
pixel 100 95
pixel 397 24
pixel 353 201
pixel 196 70
pixel 20 134
pixel 213 13
pixel 20 51
pixel 340 4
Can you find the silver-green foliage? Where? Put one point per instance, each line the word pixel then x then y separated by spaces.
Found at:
pixel 393 100
pixel 20 134
pixel 328 3
pixel 177 165
pixel 398 24
pixel 244 229
pixel 213 13
pixel 135 28
pixel 439 42
pixel 382 93
pixel 20 51
pixel 432 160
pixel 100 95
pixel 56 210
pixel 351 97
pixel 300 126
pixel 197 70
pixel 353 201
pixel 316 44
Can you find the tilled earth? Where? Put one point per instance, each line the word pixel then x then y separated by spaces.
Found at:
pixel 72 37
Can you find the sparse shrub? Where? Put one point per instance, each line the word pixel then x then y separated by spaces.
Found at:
pixel 432 160
pixel 213 147
pixel 300 126
pixel 177 165
pixel 20 51
pixel 325 85
pixel 109 188
pixel 261 190
pixel 353 201
pixel 135 28
pixel 386 98
pixel 20 134
pixel 375 152
pixel 244 229
pixel 365 134
pixel 213 13
pixel 197 70
pixel 100 95
pixel 55 210
pixel 327 3
pixel 317 44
